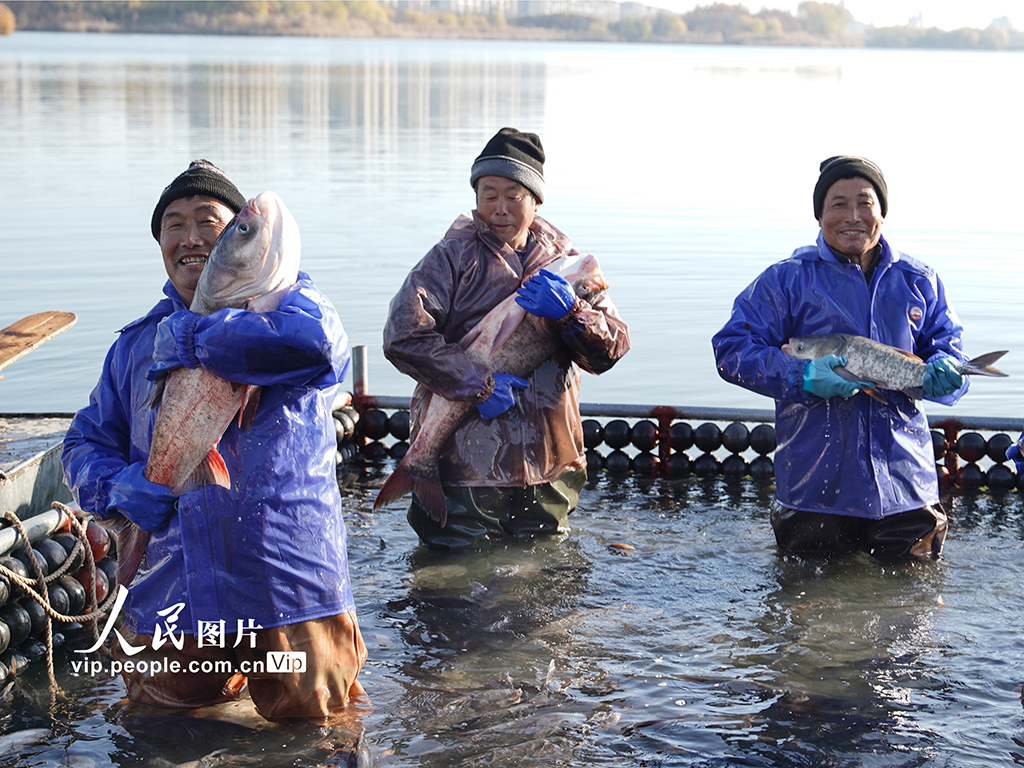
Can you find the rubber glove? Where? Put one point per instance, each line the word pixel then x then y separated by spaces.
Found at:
pixel 941 377
pixel 1015 453
pixel 146 504
pixel 175 344
pixel 821 380
pixel 503 397
pixel 547 295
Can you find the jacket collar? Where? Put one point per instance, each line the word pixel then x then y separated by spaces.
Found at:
pixel 822 251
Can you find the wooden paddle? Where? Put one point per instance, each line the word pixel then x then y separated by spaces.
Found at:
pixel 21 337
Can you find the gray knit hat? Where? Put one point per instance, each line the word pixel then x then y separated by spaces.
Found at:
pixel 200 178
pixel 514 155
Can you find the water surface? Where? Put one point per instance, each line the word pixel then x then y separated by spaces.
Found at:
pixel 687 169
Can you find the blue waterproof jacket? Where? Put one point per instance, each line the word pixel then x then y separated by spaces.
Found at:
pixel 851 456
pixel 272 549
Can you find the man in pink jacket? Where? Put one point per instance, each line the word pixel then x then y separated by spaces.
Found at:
pixel 515 467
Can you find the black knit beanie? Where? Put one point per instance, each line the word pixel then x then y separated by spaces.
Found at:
pixel 201 178
pixel 845 167
pixel 514 155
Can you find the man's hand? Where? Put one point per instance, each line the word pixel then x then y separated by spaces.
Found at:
pixel 821 380
pixel 174 344
pixel 503 397
pixel 146 504
pixel 941 377
pixel 547 295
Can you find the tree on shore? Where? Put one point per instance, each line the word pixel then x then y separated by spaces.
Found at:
pixel 7 20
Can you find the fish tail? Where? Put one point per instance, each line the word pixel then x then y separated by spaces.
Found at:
pixel 428 492
pixel 982 365
pixel 394 488
pixel 211 471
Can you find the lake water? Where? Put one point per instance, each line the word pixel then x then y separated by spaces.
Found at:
pixel 687 170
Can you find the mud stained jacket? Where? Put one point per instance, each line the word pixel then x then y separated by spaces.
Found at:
pixel 850 456
pixel 459 281
pixel 272 548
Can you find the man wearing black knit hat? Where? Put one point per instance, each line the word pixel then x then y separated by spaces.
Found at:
pixel 516 465
pixel 851 473
pixel 244 570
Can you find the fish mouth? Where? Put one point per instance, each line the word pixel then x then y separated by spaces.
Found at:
pixel 787 348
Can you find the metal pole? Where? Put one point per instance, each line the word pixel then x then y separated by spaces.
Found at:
pixel 360 374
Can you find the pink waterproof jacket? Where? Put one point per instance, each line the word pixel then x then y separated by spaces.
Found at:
pixel 459 281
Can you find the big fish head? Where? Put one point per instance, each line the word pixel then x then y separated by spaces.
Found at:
pixel 582 272
pixel 254 261
pixel 813 347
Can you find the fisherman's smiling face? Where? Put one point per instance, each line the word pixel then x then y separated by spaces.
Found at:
pixel 188 230
pixel 851 220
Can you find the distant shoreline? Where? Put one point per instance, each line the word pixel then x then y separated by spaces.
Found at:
pixel 717 24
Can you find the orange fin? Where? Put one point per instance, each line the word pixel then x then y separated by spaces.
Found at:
pixel 873 394
pixel 211 471
pixel 911 355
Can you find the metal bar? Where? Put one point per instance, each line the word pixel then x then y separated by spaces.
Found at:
pixel 618 410
pixel 37 528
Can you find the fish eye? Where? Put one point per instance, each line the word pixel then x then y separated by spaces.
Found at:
pixel 243 228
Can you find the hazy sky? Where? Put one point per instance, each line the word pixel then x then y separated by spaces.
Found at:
pixel 947 14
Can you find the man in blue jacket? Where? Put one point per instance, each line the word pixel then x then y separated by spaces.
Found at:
pixel 229 574
pixel 851 473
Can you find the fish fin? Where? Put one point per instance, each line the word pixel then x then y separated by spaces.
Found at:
pixel 155 396
pixel 509 324
pixel 394 488
pixel 430 495
pixel 428 492
pixel 247 413
pixel 211 471
pixel 910 355
pixel 982 365
pixel 915 393
pixel 873 394
pixel 131 547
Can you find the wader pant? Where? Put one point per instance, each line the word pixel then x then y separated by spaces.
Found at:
pixel 917 534
pixel 478 515
pixel 210 675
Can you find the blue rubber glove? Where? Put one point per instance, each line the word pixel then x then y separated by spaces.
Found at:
pixel 1015 453
pixel 503 397
pixel 821 380
pixel 175 344
pixel 146 504
pixel 941 377
pixel 547 295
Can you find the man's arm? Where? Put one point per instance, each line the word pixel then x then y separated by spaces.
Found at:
pixel 748 348
pixel 596 336
pixel 97 445
pixel 941 336
pixel 415 345
pixel 301 343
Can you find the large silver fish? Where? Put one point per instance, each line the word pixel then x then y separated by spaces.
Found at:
pixel 507 340
pixel 884 366
pixel 254 262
